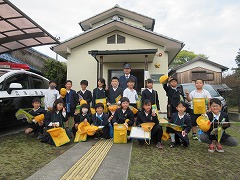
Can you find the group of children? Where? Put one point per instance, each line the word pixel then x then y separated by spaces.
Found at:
pixel 59 110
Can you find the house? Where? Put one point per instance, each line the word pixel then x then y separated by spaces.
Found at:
pixel 199 67
pixel 112 38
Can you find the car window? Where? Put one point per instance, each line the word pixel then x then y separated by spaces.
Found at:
pixel 22 79
pixel 209 88
pixel 37 83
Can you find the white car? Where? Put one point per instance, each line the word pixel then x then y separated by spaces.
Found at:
pixel 17 90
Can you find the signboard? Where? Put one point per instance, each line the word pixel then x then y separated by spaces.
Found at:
pixel 155 77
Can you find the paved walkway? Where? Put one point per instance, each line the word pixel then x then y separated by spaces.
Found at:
pixel 114 166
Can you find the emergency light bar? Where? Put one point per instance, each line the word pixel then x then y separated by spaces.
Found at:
pixel 9 65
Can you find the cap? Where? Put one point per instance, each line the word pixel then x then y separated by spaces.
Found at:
pixel 126 66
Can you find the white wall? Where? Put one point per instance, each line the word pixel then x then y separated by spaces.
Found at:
pixel 199 64
pixel 81 65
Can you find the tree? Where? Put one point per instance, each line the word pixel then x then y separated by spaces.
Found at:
pixel 55 70
pixel 237 59
pixel 185 56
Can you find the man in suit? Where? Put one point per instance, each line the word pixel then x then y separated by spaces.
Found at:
pixel 123 79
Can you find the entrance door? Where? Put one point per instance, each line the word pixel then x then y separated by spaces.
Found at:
pixel 138 73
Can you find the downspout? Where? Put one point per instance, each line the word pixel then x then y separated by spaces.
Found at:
pixel 95 57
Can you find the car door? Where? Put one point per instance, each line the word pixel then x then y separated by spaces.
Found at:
pixel 15 99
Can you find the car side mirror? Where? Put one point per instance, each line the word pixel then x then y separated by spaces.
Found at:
pixel 14 86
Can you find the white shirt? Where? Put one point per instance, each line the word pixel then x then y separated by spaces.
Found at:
pixel 195 94
pixel 49 97
pixel 150 90
pixel 83 91
pixel 131 94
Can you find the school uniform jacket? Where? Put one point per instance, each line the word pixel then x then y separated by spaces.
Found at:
pixel 214 123
pixel 98 94
pixel 143 118
pixel 120 117
pixel 54 117
pixel 123 81
pixel 80 118
pixel 152 96
pixel 103 121
pixel 112 95
pixel 37 112
pixel 87 96
pixel 71 98
pixel 173 95
pixel 184 122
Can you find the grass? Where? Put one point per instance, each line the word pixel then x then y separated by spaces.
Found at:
pixel 22 155
pixel 194 162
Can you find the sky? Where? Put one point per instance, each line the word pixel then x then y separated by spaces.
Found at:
pixel 209 27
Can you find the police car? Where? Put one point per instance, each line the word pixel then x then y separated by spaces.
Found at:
pixel 18 87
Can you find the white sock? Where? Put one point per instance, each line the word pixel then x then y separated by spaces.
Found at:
pixel 172 135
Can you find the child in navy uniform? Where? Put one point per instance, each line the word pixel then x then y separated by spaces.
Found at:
pixel 150 94
pixel 101 119
pixel 114 91
pixel 99 92
pixel 174 95
pixel 84 116
pixel 147 115
pixel 36 128
pixel 183 120
pixel 71 101
pixel 84 93
pixel 123 113
pixel 216 116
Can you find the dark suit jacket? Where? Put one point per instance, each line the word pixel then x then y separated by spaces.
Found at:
pixel 112 95
pixel 54 117
pixel 223 115
pixel 185 122
pixel 71 97
pixel 86 96
pixel 120 117
pixel 142 118
pixel 152 96
pixel 123 81
pixel 98 94
pixel 103 121
pixel 173 95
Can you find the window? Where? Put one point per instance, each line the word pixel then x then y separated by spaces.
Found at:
pixel 20 78
pixel 37 83
pixel 120 39
pixel 199 75
pixel 210 76
pixel 111 39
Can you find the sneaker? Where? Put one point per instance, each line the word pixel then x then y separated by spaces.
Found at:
pixel 211 147
pixel 194 137
pixel 172 144
pixel 159 146
pixel 219 148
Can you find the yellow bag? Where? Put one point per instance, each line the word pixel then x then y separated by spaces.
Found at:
pixel 59 136
pixel 39 118
pixel 203 123
pixel 147 126
pixel 163 79
pixel 81 134
pixel 91 130
pixel 129 127
pixel 199 106
pixel 82 101
pixel 134 110
pixel 120 134
pixel 63 92
pixel 117 99
pixel 93 111
pixel 104 102
pixel 165 136
pixel 139 102
pixel 22 114
pixel 112 108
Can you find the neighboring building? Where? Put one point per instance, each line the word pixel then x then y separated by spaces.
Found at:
pixel 115 37
pixel 205 69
